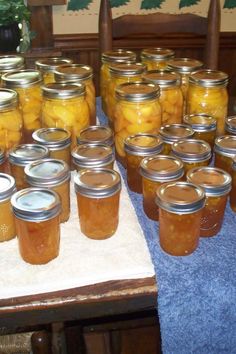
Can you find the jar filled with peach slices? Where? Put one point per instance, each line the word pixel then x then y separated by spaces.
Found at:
pixel 156 58
pixel 47 66
pixel 225 151
pixel 97 134
pixel 230 125
pixel 170 133
pixel 7 223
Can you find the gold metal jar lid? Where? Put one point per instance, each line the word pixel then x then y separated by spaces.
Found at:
pixel 157 54
pixel 8 98
pixel 62 90
pixel 230 125
pixel 96 134
pixel 162 78
pixel 51 64
pixel 127 69
pixel 137 91
pixel 209 78
pixel 118 56
pixel 11 62
pixel 22 78
pixel 92 155
pixel 52 138
pixel 73 73
pixel 200 122
pixel 174 132
pixel 7 186
pixel 143 144
pixel 225 145
pixel 191 150
pixel 184 65
pixel 23 154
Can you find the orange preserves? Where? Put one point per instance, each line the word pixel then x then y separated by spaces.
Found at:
pixel 156 58
pixel 7 223
pixel 47 67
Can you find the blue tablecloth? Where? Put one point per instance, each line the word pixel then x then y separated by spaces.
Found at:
pixel 196 293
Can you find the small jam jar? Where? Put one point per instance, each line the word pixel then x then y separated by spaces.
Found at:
pixel 7 223
pixel 233 190
pixel 96 134
pixel 230 125
pixel 155 171
pixel 171 96
pixel 156 58
pixel 53 174
pixel 136 148
pixel 37 223
pixel 180 211
pixel 20 156
pixel 98 195
pixel 170 133
pixel 225 151
pixel 207 93
pixel 64 106
pixel 47 67
pixel 137 111
pixel 204 127
pixel 10 63
pixel 92 156
pixel 28 85
pixel 57 140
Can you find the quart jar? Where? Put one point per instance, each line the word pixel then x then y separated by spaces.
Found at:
pixel 230 125
pixel 171 96
pixel 37 223
pixel 97 134
pixel 28 85
pixel 82 74
pixel 207 93
pixel 10 63
pixel 155 171
pixel 156 58
pixel 20 156
pixel 216 184
pixel 7 223
pixel 98 196
pixel 180 211
pixel 64 106
pixel 225 151
pixel 47 67
pixel 53 174
pixel 233 190
pixel 170 133
pixel 137 111
pixel 136 148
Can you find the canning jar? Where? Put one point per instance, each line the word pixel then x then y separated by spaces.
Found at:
pixel 225 151
pixel 47 67
pixel 97 134
pixel 170 133
pixel 233 190
pixel 156 58
pixel 37 223
pixel 207 93
pixel 136 148
pixel 3 162
pixel 155 171
pixel 64 106
pixel 20 156
pixel 180 210
pixel 7 223
pixel 137 111
pixel 10 63
pixel 230 125
pixel 82 74
pixel 98 195
pixel 171 96
pixel 53 174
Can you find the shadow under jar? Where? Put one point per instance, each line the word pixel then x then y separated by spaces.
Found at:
pixel 7 223
pixel 47 67
pixel 225 151
pixel 171 133
pixel 156 58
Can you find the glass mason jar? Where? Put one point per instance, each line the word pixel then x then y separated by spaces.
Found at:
pixel 207 93
pixel 156 58
pixel 204 127
pixel 180 210
pixel 36 213
pixel 233 190
pixel 53 174
pixel 225 151
pixel 230 125
pixel 82 74
pixel 170 133
pixel 136 148
pixel 3 162
pixel 7 223
pixel 98 195
pixel 47 66
pixel 110 58
pixel 171 97
pixel 64 106
pixel 96 134
pixel 155 171
pixel 10 63
pixel 20 156
pixel 137 111
pixel 57 140
pixel 216 184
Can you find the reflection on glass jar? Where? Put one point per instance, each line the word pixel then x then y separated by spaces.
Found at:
pixel 7 223
pixel 10 63
pixel 170 133
pixel 47 67
pixel 225 151
pixel 230 125
pixel 156 58
pixel 97 134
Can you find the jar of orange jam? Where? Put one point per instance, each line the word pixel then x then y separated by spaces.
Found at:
pixel 37 223
pixel 20 156
pixel 230 125
pixel 156 58
pixel 28 85
pixel 10 63
pixel 47 67
pixel 155 171
pixel 180 211
pixel 217 184
pixel 136 148
pixel 98 195
pixel 225 151
pixel 53 174
pixel 170 133
pixel 97 134
pixel 233 190
pixel 7 223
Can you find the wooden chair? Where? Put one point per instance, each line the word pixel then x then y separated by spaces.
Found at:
pixel 162 24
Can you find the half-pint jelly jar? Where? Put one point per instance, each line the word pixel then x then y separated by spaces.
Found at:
pixel 7 223
pixel 230 125
pixel 156 58
pixel 170 133
pixel 96 134
pixel 180 210
pixel 36 213
pixel 225 151
pixel 98 195
pixel 47 67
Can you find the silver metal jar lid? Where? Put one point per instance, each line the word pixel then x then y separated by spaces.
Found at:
pixel 157 54
pixel 200 122
pixel 8 98
pixel 171 133
pixel 180 197
pixel 96 134
pixel 184 65
pixel 36 204
pixel 22 78
pixel 52 138
pixel 225 145
pixel 73 73
pixel 7 186
pixel 191 150
pixel 118 56
pixel 230 125
pixel 97 182
pixel 143 144
pixel 92 155
pixel 209 78
pixel 63 90
pixel 128 69
pixel 162 78
pixel 137 91
pixel 11 62
pixel 51 64
pixel 23 154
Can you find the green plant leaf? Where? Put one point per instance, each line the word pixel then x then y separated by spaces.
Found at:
pixel 229 4
pixel 186 3
pixel 151 4
pixel 118 3
pixel 76 5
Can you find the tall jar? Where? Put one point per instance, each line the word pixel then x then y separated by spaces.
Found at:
pixel 137 111
pixel 83 74
pixel 64 106
pixel 47 66
pixel 225 151
pixel 171 133
pixel 7 224
pixel 10 63
pixel 28 85
pixel 230 125
pixel 156 58
pixel 208 94
pixel 171 97
pixel 97 134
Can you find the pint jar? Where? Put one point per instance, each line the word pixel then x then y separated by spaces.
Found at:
pixel 7 223
pixel 225 151
pixel 233 190
pixel 170 133
pixel 97 134
pixel 136 148
pixel 37 223
pixel 230 125
pixel 47 67
pixel 180 210
pixel 156 58
pixel 155 171
pixel 10 63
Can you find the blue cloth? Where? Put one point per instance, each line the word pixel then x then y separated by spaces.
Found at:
pixel 196 293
